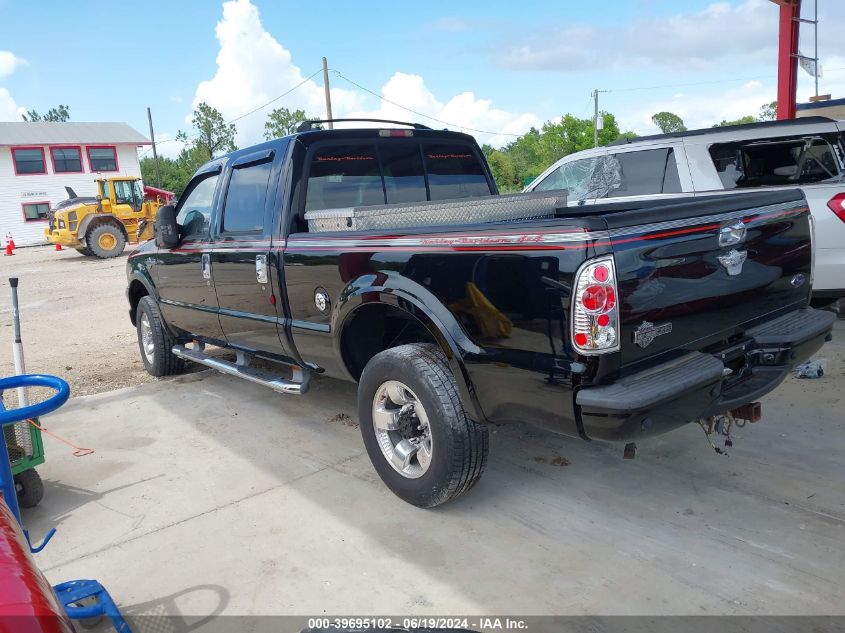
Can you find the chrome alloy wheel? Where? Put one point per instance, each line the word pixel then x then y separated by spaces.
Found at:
pixel 147 343
pixel 402 429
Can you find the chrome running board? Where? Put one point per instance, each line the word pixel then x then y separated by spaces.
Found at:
pixel 297 385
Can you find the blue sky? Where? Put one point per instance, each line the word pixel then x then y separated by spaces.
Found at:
pixel 494 66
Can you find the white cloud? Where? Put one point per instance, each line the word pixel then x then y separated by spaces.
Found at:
pixel 463 112
pixel 253 67
pixel 698 110
pixel 753 84
pixel 9 62
pixel 742 34
pixel 9 108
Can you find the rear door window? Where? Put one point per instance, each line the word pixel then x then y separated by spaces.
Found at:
pixel 246 197
pixel 454 171
pixel 646 172
pixel 345 176
pixel 771 162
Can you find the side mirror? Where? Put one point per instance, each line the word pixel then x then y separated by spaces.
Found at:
pixel 166 229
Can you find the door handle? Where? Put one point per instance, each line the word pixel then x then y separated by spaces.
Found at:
pixel 261 269
pixel 205 263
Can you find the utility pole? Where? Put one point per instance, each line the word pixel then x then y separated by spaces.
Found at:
pixel 597 123
pixel 816 45
pixel 328 93
pixel 155 153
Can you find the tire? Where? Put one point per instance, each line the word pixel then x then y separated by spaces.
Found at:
pixel 105 240
pixel 30 488
pixel 155 350
pixel 458 446
pixel 85 251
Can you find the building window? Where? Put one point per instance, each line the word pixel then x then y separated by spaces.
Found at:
pixel 36 211
pixel 102 158
pixel 29 160
pixel 66 160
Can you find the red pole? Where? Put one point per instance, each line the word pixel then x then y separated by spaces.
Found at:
pixel 788 58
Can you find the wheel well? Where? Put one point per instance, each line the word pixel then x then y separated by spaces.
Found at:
pixel 376 327
pixel 137 290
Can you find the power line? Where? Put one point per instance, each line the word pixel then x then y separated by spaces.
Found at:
pixel 245 114
pixel 412 111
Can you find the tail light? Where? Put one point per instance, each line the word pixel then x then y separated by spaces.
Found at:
pixel 595 311
pixel 837 205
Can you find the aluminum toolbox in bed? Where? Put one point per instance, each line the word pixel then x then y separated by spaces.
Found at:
pixel 507 208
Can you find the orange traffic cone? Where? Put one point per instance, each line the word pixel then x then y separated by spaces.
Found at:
pixel 58 246
pixel 9 248
pixel 11 240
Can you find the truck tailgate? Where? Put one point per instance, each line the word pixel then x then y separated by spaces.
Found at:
pixel 694 273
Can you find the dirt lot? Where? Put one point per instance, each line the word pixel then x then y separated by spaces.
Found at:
pixel 74 319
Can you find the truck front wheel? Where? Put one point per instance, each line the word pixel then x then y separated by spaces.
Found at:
pixel 154 341
pixel 415 428
pixel 105 241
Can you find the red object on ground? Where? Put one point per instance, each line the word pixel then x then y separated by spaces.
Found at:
pixel 155 192
pixel 58 246
pixel 790 11
pixel 27 601
pixel 9 247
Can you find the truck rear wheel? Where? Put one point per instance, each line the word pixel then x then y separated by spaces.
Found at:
pixel 415 429
pixel 105 241
pixel 155 342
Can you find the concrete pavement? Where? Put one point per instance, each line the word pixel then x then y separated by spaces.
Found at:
pixel 207 494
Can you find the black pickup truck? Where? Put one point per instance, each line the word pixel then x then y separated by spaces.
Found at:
pixel 384 256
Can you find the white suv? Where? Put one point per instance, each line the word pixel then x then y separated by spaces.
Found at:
pixel 807 153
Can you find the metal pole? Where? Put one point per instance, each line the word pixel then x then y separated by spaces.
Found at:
pixel 816 44
pixel 595 118
pixel 155 153
pixel 7 479
pixel 328 93
pixel 17 345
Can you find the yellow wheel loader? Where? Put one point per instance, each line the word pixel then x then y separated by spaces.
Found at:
pixel 101 226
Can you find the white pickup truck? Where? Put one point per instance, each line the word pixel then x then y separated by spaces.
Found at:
pixel 806 153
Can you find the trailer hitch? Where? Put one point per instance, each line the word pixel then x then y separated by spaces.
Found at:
pixel 723 423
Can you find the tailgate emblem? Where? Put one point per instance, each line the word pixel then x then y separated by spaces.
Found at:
pixel 733 261
pixel 647 332
pixel 732 234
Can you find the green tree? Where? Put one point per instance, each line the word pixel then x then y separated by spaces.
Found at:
pixel 668 122
pixel 60 114
pixel 745 120
pixel 212 135
pixel 503 169
pixel 526 154
pixel 175 174
pixel 530 154
pixel 281 122
pixel 768 111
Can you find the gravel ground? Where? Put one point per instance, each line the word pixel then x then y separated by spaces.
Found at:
pixel 74 319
